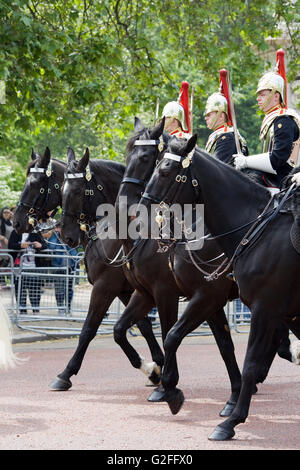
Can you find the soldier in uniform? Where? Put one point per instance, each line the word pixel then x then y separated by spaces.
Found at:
pixel 279 131
pixel 176 113
pixel 218 116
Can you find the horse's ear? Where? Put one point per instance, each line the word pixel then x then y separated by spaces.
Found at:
pixel 158 130
pixel 45 159
pixel 191 143
pixel 70 155
pixel 138 125
pixel 33 155
pixel 83 162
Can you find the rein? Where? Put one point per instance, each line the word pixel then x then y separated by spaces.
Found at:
pixel 257 228
pixel 257 225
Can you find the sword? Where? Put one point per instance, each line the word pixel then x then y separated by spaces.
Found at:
pixel 235 129
pixel 157 110
pixel 191 111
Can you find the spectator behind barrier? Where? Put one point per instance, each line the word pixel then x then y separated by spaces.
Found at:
pixel 63 265
pixel 29 245
pixel 5 226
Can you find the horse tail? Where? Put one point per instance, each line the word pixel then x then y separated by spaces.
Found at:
pixel 7 356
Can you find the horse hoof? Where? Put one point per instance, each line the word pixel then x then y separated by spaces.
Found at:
pixel 175 401
pixel 60 385
pixel 221 434
pixel 227 410
pixel 157 395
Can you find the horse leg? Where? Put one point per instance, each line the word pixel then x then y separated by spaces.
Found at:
pixel 101 298
pixel 188 322
pixel 145 327
pixel 168 314
pixel 263 342
pixel 284 347
pixel 221 331
pixel 137 309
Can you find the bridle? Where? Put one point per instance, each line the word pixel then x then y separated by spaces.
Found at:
pixel 139 182
pixel 83 218
pixel 37 208
pixel 185 171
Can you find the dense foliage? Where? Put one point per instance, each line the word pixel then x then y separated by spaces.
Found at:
pixel 76 72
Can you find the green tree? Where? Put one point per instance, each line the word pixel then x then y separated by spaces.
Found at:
pixel 77 72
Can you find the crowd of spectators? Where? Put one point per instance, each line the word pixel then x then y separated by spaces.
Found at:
pixel 39 258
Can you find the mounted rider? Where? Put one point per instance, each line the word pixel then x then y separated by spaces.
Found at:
pixel 218 116
pixel 177 114
pixel 279 131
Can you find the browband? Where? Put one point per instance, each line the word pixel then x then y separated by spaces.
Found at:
pixel 173 156
pixel 37 170
pixel 146 142
pixel 74 175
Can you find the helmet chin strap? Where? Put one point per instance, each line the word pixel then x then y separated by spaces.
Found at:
pixel 213 125
pixel 267 102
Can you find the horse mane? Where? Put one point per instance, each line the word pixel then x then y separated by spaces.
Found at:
pixel 107 166
pixel 133 138
pixel 177 144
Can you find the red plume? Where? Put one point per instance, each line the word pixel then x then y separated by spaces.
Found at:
pixel 184 101
pixel 281 70
pixel 225 91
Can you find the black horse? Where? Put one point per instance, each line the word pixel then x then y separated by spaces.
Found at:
pixel 256 239
pixel 159 278
pixel 88 184
pixel 42 193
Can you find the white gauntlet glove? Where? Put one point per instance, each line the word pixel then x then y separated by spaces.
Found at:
pixel 296 179
pixel 259 162
pixel 240 161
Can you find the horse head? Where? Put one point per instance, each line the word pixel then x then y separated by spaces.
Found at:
pixel 72 197
pixel 41 192
pixel 143 150
pixel 171 172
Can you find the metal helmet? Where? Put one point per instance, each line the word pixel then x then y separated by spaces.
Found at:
pixel 216 102
pixel 175 110
pixel 275 80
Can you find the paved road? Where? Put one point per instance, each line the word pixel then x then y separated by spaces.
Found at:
pixel 107 406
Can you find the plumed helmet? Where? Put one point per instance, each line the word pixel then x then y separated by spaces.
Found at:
pixel 179 109
pixel 175 110
pixel 220 101
pixel 216 102
pixel 275 80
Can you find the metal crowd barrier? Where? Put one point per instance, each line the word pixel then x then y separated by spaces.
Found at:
pixel 55 300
